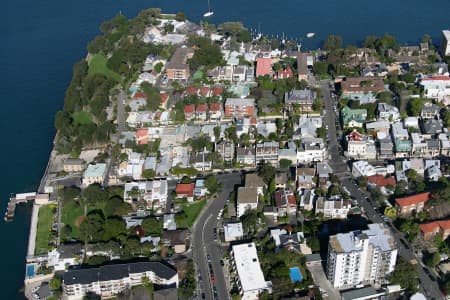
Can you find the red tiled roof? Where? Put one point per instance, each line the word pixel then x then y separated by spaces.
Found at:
pixel 285 73
pixel 263 66
pixel 355 136
pixel 405 201
pixel 214 107
pixel 140 95
pixel 204 90
pixel 431 227
pixel 381 180
pixel 291 200
pixel 185 189
pixel 189 108
pixel 191 91
pixel 436 78
pixel 253 121
pixel 217 91
pixel 202 107
pixel 163 96
pixel 142 132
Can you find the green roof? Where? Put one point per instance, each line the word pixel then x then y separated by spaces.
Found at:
pixel 358 115
pixel 402 145
pixel 197 75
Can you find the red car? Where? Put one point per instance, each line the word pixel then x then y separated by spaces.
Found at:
pixel 213 279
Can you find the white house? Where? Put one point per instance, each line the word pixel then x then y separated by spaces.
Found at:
pixel 247 199
pixel 311 150
pixel 233 231
pixel 436 87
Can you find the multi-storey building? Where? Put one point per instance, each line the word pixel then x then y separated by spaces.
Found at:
pixel 177 68
pixel 361 257
pixel 108 281
pixel 237 107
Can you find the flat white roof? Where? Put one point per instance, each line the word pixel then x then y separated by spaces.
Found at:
pixel 248 267
pixel 446 33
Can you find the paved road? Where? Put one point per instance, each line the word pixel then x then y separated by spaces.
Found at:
pixel 429 287
pixel 203 243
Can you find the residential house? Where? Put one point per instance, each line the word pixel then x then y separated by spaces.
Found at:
pixel 334 207
pixel 152 193
pixel 415 164
pixel 430 110
pixel 74 165
pixel 247 199
pixel 411 122
pixel 253 180
pixel 233 232
pixel 289 153
pixel 436 87
pixel 237 107
pixel 189 112
pixel 110 280
pixel 360 146
pixel 281 180
pixel 410 204
pixel 444 144
pixel 65 255
pixel 201 161
pixel 302 100
pixel 226 150
pixel 215 111
pixel 177 239
pixel 430 230
pixel 305 178
pixel 353 117
pixel 362 89
pixel 323 171
pixel 284 73
pixel 285 202
pixel 95 173
pixel 381 181
pixel 185 190
pixel 385 148
pixel 364 169
pixel 263 66
pixel 246 156
pixel 201 111
pixel 169 222
pixel 177 68
pixel 307 200
pixel 431 127
pixel 200 189
pixel 381 128
pixel 268 152
pixel 311 150
pixel 388 112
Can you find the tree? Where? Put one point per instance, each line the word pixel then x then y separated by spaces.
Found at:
pixel 168 27
pixel 415 106
pixel 405 274
pixel 285 163
pixel 231 28
pixel 317 104
pixel 272 186
pixel 320 68
pixel 332 43
pixel 208 54
pixel 432 259
pixel 152 226
pixel 212 184
pixel 55 283
pixel 153 96
pixel 94 193
pixel 266 171
pixel 114 227
pixel 92 227
pixel 180 16
pixel 390 212
pixel 187 284
pixel 158 67
pixel 217 133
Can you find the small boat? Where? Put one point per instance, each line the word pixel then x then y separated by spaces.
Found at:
pixel 209 13
pixel 310 34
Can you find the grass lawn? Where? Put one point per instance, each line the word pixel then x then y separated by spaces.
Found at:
pixel 44 228
pixel 71 214
pixel 82 117
pixel 97 65
pixel 190 213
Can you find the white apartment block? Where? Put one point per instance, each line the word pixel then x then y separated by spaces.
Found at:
pixel 445 43
pixel 108 281
pixel 361 257
pixel 153 192
pixel 251 277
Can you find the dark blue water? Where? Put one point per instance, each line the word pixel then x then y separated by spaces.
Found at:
pixel 40 40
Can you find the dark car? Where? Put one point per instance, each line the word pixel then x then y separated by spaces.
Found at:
pixel 208 257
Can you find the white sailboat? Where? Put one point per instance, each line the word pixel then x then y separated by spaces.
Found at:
pixel 310 35
pixel 210 12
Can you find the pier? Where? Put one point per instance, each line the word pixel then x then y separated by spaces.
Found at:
pixel 16 199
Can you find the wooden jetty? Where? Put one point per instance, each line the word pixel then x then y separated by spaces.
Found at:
pixel 14 200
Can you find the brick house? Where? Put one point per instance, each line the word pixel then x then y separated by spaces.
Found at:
pixel 415 203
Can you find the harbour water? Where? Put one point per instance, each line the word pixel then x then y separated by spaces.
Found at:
pixel 42 39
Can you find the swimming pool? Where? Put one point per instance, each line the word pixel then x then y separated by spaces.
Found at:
pixel 296 275
pixel 30 270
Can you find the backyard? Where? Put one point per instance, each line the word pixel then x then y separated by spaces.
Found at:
pixel 44 235
pixel 71 217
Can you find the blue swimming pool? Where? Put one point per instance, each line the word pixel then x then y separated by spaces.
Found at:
pixel 30 270
pixel 296 275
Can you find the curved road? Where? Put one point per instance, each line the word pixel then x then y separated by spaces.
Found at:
pixel 428 286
